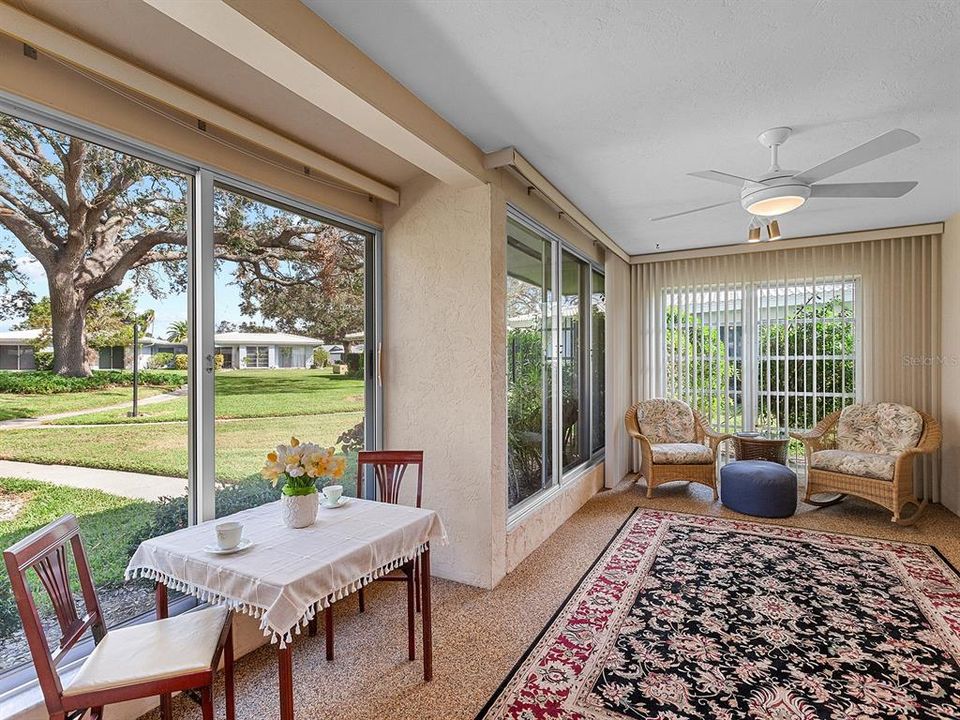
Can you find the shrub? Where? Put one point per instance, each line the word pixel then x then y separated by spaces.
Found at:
pixel 320 358
pixel 43 382
pixel 181 361
pixel 354 362
pixel 9 617
pixel 171 512
pixel 160 360
pixel 218 361
pixel 351 441
pixel 43 360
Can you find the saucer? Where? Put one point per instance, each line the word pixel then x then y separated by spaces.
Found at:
pixel 217 550
pixel 340 503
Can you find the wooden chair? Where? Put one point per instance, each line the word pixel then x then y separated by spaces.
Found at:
pixel 688 453
pixel 389 468
pixel 894 491
pixel 156 658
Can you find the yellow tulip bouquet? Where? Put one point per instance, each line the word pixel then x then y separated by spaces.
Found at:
pixel 300 466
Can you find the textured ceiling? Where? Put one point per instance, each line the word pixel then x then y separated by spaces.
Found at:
pixel 616 100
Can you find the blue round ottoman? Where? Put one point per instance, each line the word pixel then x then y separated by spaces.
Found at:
pixel 759 487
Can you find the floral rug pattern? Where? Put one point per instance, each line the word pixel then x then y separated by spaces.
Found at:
pixel 686 616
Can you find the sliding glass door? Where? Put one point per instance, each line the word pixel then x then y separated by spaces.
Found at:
pixel 287 284
pixel 530 342
pixel 555 361
pixel 180 330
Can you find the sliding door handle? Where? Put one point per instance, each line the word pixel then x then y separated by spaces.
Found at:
pixel 380 363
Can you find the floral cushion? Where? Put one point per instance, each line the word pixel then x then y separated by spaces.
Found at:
pixel 879 428
pixel 681 454
pixel 666 421
pixel 861 464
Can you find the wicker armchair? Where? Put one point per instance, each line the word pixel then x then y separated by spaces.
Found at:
pixel 872 460
pixel 685 451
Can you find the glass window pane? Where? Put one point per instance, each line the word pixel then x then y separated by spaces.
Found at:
pixel 598 315
pixel 125 264
pixel 574 415
pixel 286 284
pixel 529 357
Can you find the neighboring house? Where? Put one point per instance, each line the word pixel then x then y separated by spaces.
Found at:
pixel 265 350
pixel 16 349
pixel 239 350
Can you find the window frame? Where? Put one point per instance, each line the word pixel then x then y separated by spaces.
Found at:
pixel 754 314
pixel 562 477
pixel 200 179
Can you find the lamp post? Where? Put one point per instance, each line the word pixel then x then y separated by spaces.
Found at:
pixel 136 367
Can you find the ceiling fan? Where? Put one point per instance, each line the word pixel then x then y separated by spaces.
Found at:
pixel 779 191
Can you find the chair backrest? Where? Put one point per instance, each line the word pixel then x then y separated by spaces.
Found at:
pixel 886 428
pixel 666 421
pixel 45 552
pixel 389 467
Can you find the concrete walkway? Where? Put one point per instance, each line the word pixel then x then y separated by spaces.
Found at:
pixel 115 482
pixel 32 422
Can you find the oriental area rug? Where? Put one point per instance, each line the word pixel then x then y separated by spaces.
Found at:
pixel 684 616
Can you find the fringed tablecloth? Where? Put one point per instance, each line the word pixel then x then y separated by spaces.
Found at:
pixel 287 576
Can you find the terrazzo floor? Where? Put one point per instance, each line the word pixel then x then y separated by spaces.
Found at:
pixel 478 634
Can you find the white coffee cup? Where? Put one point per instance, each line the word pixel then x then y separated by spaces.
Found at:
pixel 228 535
pixel 331 494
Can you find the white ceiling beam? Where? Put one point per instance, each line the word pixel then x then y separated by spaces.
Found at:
pixel 82 54
pixel 508 157
pixel 234 33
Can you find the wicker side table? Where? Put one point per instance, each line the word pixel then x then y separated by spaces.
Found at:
pixel 761 448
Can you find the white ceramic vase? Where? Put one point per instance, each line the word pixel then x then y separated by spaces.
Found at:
pixel 299 511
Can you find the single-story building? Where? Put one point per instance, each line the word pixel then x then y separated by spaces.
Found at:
pixel 16 349
pixel 239 350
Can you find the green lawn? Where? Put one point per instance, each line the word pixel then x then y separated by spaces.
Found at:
pixel 254 393
pixel 14 405
pixel 162 449
pixel 108 522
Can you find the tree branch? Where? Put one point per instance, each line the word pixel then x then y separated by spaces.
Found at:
pixel 45 191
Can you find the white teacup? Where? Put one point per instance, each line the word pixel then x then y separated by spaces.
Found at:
pixel 228 535
pixel 331 494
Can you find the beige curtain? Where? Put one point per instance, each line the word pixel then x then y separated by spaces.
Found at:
pixel 898 314
pixel 618 368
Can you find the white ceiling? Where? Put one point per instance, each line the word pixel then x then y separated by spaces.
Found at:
pixel 615 100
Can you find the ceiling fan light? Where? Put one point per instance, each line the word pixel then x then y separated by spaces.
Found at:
pixel 773 230
pixel 753 235
pixel 776 205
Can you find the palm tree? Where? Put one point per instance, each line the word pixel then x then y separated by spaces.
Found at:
pixel 177 331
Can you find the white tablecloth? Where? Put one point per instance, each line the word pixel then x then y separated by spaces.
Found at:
pixel 288 575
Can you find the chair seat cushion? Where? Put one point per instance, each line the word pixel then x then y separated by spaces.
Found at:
pixel 848 462
pixel 681 454
pixel 153 651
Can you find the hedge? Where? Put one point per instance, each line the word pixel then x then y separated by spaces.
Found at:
pixel 43 382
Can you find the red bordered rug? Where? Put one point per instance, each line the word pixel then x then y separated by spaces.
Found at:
pixel 685 616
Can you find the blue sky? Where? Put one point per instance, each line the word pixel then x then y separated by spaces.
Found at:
pixel 168 310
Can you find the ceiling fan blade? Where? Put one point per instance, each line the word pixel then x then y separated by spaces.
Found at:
pixel 687 212
pixel 863 190
pixel 887 143
pixel 721 177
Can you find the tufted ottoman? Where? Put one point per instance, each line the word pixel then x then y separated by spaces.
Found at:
pixel 759 487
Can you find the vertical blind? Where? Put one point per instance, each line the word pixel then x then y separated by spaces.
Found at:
pixel 776 339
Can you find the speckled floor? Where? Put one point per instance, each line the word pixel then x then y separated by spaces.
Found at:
pixel 479 635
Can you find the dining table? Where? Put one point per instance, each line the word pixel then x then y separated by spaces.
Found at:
pixel 286 577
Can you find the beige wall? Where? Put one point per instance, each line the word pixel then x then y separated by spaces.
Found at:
pixel 444 363
pixel 530 531
pixel 950 378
